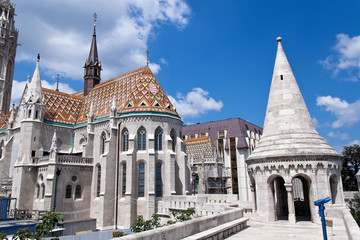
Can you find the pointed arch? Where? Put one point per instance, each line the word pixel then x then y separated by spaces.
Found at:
pixel 141 138
pixel 102 142
pixel 125 139
pixel 158 139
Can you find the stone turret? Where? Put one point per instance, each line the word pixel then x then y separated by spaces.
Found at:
pixel 8 45
pixel 292 165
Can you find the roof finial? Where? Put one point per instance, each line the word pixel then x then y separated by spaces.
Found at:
pixel 278 39
pixel 95 17
pixel 38 57
pixel 57 82
pixel 147 57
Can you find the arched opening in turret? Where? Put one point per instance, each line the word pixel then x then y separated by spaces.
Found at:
pixel 300 191
pixel 334 189
pixel 279 209
pixel 253 190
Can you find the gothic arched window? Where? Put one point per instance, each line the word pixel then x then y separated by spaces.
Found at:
pixel 37 191
pixel 125 139
pixel 123 187
pixel 68 191
pixel 141 180
pixel 77 191
pixel 102 143
pixel 158 139
pixel 98 182
pixel 43 191
pixel 158 184
pixel 141 139
pixel 173 138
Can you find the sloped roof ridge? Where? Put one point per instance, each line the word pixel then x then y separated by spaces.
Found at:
pixel 62 93
pixel 122 76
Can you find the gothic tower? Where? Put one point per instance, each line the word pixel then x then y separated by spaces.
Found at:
pixel 92 66
pixel 8 44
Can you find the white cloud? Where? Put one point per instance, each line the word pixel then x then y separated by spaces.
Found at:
pixel 61 32
pixel 354 142
pixel 316 122
pixel 347 57
pixel 347 113
pixel 195 103
pixel 342 136
pixel 18 89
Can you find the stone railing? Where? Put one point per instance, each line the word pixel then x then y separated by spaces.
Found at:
pixel 39 160
pixel 74 160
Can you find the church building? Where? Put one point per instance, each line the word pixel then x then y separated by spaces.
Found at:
pixel 110 151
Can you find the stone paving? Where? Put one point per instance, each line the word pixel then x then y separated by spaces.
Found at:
pixel 284 231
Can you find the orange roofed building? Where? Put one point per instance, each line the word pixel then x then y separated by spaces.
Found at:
pixel 110 152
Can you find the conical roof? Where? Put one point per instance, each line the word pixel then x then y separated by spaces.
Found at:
pixel 288 128
pixel 35 88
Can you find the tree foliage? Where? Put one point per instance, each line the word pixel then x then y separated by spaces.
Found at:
pixel 355 208
pixel 350 166
pixel 43 229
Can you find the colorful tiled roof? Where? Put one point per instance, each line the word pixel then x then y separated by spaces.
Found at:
pixel 135 91
pixel 4 119
pixel 61 107
pixel 201 148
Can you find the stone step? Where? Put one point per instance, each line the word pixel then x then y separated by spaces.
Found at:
pixel 222 231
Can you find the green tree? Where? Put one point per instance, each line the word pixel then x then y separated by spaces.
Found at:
pixel 350 166
pixel 43 229
pixel 355 208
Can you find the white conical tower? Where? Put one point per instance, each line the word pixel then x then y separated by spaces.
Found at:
pixel 288 127
pixel 292 165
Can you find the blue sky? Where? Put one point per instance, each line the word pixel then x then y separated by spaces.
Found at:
pixel 213 58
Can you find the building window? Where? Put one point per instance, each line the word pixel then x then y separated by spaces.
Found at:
pixel 37 191
pixel 125 138
pixel 158 139
pixel 234 174
pixel 68 191
pixel 173 138
pixel 36 115
pixel 29 116
pixel 102 143
pixel 123 187
pixel 43 191
pixel 141 184
pixel 142 139
pixel 98 183
pixel 78 192
pixel 158 185
pixel 221 134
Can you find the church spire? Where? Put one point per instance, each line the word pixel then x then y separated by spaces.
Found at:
pixel 35 88
pixel 92 65
pixel 288 127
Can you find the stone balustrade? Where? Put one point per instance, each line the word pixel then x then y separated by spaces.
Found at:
pixel 74 160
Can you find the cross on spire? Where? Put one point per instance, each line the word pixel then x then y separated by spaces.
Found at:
pixel 147 57
pixel 95 17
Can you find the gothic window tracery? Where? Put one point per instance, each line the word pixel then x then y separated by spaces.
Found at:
pixel 158 139
pixel 141 180
pixel 141 139
pixel 125 139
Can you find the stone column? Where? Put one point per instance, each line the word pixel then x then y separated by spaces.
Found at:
pixel 291 206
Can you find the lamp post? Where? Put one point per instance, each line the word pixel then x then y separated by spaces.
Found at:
pixel 320 203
